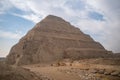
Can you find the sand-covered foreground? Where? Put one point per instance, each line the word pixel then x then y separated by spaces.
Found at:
pixel 78 70
pixel 85 69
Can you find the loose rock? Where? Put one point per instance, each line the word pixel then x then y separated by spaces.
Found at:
pixel 115 73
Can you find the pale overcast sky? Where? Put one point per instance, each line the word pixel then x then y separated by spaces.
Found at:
pixel 98 18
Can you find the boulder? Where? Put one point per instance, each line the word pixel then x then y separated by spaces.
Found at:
pixel 101 71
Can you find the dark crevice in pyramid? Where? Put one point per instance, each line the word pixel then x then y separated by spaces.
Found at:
pixel 54 39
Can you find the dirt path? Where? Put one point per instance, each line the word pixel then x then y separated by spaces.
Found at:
pixel 54 73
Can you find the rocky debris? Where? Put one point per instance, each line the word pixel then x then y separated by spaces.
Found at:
pixel 8 72
pixel 55 64
pixel 83 74
pixel 54 39
pixel 61 64
pixel 115 73
pixel 108 72
pixel 93 74
pixel 101 71
pixel 93 70
pixel 105 72
pixel 58 64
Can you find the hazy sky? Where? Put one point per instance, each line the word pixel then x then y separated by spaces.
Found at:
pixel 98 18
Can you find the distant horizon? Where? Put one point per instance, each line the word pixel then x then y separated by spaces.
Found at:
pixel 100 19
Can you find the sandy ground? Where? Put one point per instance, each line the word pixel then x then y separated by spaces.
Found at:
pixel 54 73
pixel 79 70
pixel 67 73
